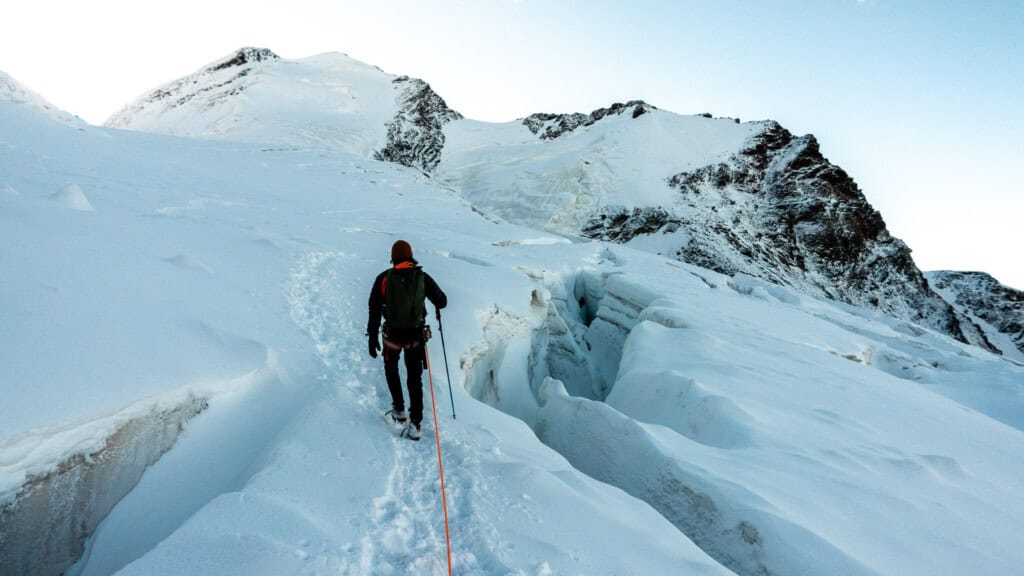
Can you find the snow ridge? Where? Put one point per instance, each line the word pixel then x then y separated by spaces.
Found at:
pixel 213 84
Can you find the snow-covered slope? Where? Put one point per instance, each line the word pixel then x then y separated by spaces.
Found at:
pixel 214 300
pixel 326 101
pixel 556 178
pixel 187 388
pixel 13 91
pixel 733 197
pixel 995 307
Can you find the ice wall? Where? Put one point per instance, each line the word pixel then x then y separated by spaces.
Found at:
pixel 44 529
pixel 572 348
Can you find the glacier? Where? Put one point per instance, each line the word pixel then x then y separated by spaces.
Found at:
pixel 619 411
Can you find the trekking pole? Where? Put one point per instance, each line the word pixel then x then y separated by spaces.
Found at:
pixel 445 351
pixel 440 466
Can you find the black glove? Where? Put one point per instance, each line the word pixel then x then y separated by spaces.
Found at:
pixel 374 345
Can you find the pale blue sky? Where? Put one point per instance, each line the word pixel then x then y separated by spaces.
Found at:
pixel 920 101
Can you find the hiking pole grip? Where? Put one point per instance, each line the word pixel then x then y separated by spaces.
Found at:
pixel 444 350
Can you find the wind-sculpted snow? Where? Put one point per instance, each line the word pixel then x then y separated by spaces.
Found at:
pixel 998 308
pixel 73 198
pixel 698 504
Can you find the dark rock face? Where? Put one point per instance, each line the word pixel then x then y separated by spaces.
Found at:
pixel 780 211
pixel 415 135
pixel 244 56
pixel 983 297
pixel 620 225
pixel 551 126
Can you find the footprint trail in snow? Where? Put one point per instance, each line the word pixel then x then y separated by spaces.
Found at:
pixel 404 526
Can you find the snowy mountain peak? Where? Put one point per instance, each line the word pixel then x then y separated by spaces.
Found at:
pixel 170 107
pixel 329 101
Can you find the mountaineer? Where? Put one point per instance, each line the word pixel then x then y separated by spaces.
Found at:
pixel 398 294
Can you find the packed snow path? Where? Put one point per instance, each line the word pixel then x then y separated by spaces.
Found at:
pixel 497 527
pixel 404 533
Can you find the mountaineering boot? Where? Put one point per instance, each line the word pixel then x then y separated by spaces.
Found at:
pixel 412 432
pixel 399 416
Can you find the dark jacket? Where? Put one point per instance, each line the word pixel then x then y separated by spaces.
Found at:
pixel 430 289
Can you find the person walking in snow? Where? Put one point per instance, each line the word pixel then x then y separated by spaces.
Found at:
pixel 398 294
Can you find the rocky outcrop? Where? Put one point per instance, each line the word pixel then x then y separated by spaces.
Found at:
pixel 980 296
pixel 242 57
pixel 551 126
pixel 621 226
pixel 780 211
pixel 415 134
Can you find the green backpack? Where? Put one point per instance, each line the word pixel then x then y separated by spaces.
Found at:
pixel 403 299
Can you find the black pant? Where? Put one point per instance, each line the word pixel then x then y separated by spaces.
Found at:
pixel 414 360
